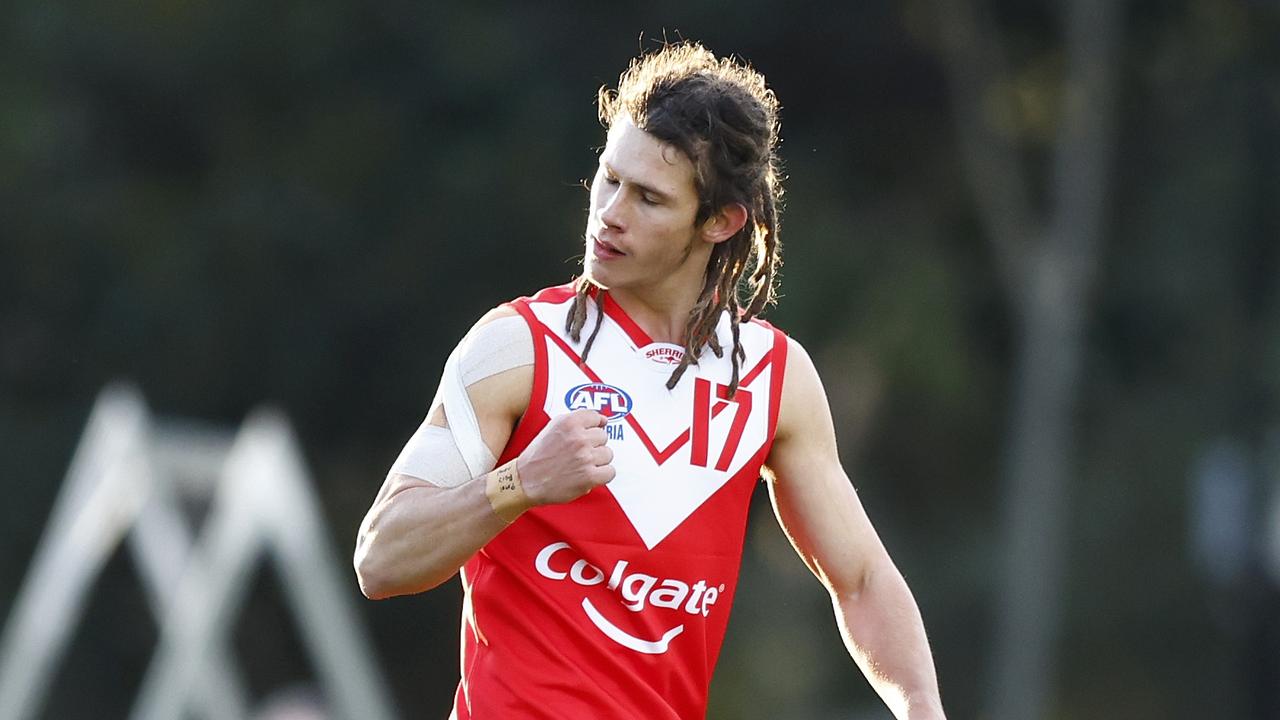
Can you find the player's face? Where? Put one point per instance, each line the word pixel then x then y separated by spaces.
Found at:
pixel 641 232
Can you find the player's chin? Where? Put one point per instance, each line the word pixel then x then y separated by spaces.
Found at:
pixel 596 273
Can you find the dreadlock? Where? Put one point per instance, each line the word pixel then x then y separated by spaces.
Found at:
pixel 722 116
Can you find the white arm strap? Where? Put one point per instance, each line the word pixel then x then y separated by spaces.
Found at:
pixel 462 417
pixel 450 456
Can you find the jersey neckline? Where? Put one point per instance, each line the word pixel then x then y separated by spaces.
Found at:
pixel 637 335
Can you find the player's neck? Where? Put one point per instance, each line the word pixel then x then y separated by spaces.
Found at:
pixel 662 313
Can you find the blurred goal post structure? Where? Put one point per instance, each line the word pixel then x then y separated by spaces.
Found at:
pixel 125 484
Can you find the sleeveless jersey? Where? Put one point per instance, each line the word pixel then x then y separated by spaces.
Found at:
pixel 615 605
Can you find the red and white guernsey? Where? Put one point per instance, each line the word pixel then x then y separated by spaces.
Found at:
pixel 615 605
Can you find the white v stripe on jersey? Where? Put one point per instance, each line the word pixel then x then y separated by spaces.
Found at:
pixel 677 446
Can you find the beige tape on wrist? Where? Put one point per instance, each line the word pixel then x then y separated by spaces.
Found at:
pixel 505 493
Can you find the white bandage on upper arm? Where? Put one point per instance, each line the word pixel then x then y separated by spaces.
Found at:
pixel 432 455
pixel 448 457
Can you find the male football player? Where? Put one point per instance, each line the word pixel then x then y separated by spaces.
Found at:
pixel 589 459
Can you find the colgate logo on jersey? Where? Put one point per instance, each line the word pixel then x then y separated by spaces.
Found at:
pixel 612 402
pixel 558 562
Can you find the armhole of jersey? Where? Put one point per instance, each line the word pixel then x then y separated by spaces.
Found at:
pixel 534 417
pixel 779 362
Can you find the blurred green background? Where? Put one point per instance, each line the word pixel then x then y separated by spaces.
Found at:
pixel 306 204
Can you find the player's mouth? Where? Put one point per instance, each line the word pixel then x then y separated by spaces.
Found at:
pixel 604 251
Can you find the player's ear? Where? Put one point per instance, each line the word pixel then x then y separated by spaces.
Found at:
pixel 725 223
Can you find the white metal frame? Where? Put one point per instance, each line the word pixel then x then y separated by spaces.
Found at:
pixel 123 486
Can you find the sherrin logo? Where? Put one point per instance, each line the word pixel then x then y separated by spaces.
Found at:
pixel 664 354
pixel 557 561
pixel 612 402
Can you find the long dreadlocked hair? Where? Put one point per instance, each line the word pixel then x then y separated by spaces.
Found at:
pixel 721 115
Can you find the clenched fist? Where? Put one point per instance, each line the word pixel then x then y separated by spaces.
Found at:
pixel 567 459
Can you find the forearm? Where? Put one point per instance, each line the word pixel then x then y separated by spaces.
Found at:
pixel 418 537
pixel 884 633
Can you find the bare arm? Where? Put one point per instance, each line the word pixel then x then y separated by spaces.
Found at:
pixel 822 517
pixel 416 535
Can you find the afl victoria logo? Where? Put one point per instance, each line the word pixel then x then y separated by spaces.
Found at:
pixel 612 402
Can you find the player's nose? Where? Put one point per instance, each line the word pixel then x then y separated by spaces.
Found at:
pixel 610 212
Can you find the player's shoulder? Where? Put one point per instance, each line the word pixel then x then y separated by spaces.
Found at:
pixel 800 366
pixel 760 337
pixel 509 309
pixel 496 363
pixel 553 295
pixel 803 396
pixel 501 327
pixel 766 330
pixel 494 314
